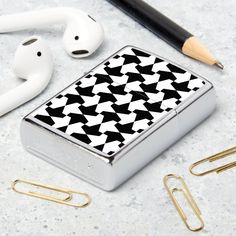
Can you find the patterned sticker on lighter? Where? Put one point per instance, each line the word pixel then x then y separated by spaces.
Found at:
pixel 122 114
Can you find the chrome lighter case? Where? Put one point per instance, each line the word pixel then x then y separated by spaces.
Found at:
pixel 122 114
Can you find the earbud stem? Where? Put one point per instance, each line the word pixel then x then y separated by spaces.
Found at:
pixel 32 19
pixel 23 93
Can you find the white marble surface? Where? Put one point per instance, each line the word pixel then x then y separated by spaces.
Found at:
pixel 140 206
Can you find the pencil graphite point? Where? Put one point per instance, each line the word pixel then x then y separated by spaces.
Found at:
pixel 220 65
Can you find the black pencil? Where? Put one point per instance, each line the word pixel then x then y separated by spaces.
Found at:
pixel 167 30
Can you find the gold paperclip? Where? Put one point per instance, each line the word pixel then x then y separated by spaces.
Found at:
pixel 65 201
pixel 189 199
pixel 213 158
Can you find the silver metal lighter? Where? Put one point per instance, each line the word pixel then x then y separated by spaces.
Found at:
pixel 122 114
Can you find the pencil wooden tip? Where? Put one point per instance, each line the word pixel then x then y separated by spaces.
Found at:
pixel 220 65
pixel 195 49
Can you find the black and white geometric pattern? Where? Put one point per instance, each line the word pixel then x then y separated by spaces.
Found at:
pixel 118 100
pixel 151 76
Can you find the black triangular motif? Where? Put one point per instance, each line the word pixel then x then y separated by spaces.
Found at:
pixel 137 96
pixel 165 75
pixel 149 88
pixel 175 69
pixel 124 109
pixel 141 115
pixel 102 78
pixel 169 109
pixel 140 131
pixel 110 153
pixel 90 110
pixel 140 53
pixel 93 130
pixel 56 112
pixel 158 60
pixel 119 89
pixel 116 71
pixel 155 107
pixel 72 98
pixel 134 77
pixel 86 91
pixel 63 129
pixel 77 118
pixel 145 69
pixel 170 94
pixel 46 119
pixel 99 147
pixel 142 94
pixel 109 116
pixel 82 137
pixel 116 56
pixel 192 77
pixel 79 82
pixel 88 76
pixel 105 97
pixel 113 136
pixel 121 145
pixel 125 128
pixel 181 86
pixel 130 59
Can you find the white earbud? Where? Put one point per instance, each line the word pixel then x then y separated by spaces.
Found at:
pixel 33 62
pixel 83 35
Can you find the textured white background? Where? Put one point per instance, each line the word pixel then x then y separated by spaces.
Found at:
pixel 140 206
